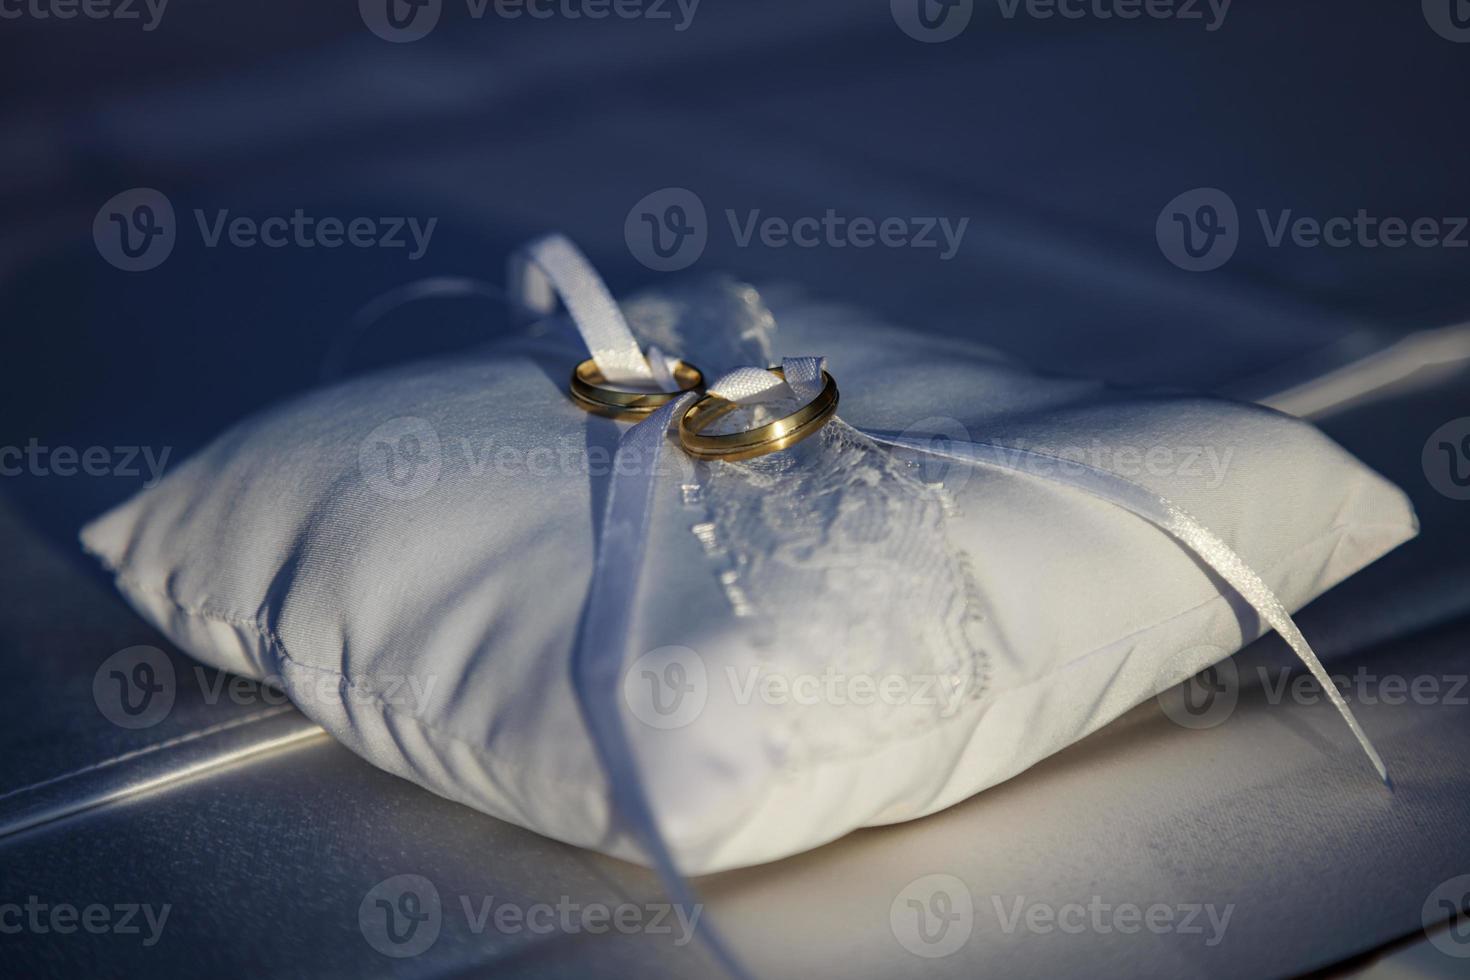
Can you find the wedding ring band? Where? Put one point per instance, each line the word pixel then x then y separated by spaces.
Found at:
pixel 591 392
pixel 735 446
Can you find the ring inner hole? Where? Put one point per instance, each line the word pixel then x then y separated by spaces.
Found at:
pixel 743 418
pixel 682 377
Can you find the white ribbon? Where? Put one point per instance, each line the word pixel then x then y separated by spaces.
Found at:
pixel 748 386
pixel 602 641
pixel 552 267
pixel 602 647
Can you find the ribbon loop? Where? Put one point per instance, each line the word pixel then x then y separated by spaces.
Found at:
pixel 552 267
pixel 748 386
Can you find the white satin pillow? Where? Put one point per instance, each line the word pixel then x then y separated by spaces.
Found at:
pixel 836 636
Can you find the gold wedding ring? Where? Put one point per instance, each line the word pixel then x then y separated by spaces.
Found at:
pixel 735 446
pixel 591 391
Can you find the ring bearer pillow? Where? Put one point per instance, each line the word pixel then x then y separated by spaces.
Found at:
pixel 465 578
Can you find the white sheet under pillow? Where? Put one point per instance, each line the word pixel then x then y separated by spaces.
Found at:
pixel 1004 615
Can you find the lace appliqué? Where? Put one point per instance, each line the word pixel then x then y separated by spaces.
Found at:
pixel 863 616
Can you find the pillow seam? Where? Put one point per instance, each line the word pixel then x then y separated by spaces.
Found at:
pixel 278 645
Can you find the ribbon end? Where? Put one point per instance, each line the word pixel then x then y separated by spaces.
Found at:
pixel 1382 769
pixel 1363 741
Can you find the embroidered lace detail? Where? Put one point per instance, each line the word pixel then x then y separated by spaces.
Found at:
pixel 864 617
